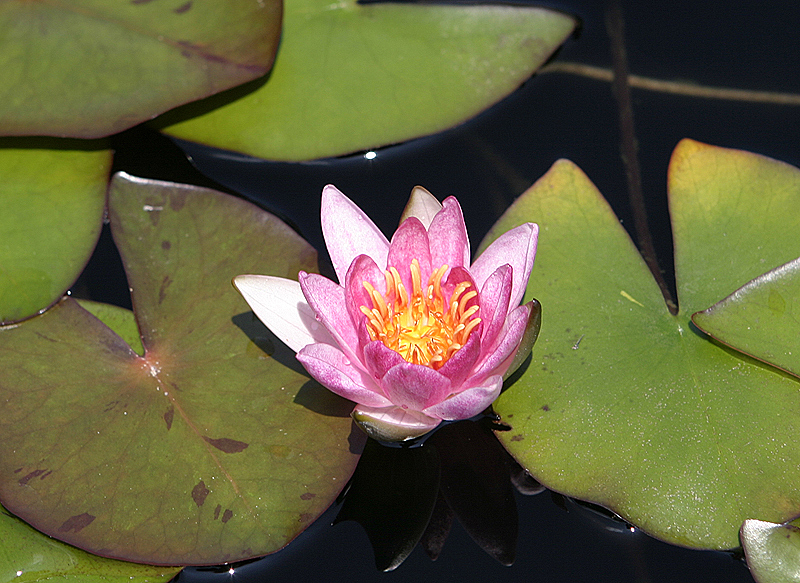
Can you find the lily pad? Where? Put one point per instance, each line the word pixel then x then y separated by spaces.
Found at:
pixel 630 407
pixel 53 204
pixel 211 447
pixel 27 556
pixel 90 68
pixel 762 318
pixel 772 550
pixel 351 76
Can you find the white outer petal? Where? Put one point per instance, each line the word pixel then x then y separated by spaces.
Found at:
pixel 279 303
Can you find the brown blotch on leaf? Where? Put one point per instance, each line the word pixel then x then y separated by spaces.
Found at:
pixel 227 445
pixel 177 199
pixel 216 511
pixel 76 523
pixel 166 245
pixel 307 496
pixel 30 476
pixel 545 407
pixel 183 8
pixel 168 416
pixel 305 517
pixel 162 292
pixel 199 493
pixel 517 437
pixel 227 515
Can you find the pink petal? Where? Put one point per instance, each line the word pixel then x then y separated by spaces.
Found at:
pixel 502 353
pixel 280 304
pixel 410 241
pixel 414 386
pixel 494 297
pixel 458 367
pixel 378 359
pixel 393 423
pixel 448 236
pixel 333 370
pixel 468 403
pixel 516 247
pixel 423 205
pixel 327 299
pixel 349 232
pixel 363 269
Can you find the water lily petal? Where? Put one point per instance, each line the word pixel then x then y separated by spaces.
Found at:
pixel 516 247
pixel 332 369
pixel 458 367
pixel 498 358
pixel 378 359
pixel 468 403
pixel 349 232
pixel 327 299
pixel 409 242
pixel 393 423
pixel 494 298
pixel 415 386
pixel 363 269
pixel 448 236
pixel 280 304
pixel 421 204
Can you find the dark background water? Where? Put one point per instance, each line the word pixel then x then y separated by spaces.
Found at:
pixel 487 163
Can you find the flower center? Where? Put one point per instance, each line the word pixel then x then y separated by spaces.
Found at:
pixel 423 327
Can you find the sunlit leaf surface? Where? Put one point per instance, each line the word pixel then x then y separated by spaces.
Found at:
pixel 52 214
pixel 772 550
pixel 630 407
pixel 89 68
pixel 762 318
pixel 27 556
pixel 209 448
pixel 351 76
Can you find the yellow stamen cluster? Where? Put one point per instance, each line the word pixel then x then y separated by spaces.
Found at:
pixel 422 327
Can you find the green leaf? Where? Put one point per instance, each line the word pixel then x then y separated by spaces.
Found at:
pixel 772 550
pixel 120 320
pixel 211 447
pixel 52 214
pixel 90 68
pixel 762 318
pixel 627 406
pixel 27 556
pixel 352 76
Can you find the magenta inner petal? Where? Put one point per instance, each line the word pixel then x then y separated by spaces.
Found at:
pixel 494 297
pixel 449 242
pixel 378 358
pixel 459 366
pixel 363 269
pixel 501 354
pixel 415 386
pixel 333 370
pixel 410 242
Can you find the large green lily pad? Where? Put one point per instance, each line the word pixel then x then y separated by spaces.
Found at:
pixel 210 447
pixel 762 318
pixel 53 204
pixel 351 76
pixel 772 550
pixel 27 556
pixel 90 68
pixel 632 408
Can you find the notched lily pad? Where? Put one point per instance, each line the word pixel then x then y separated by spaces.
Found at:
pixel 772 550
pixel 762 318
pixel 351 76
pixel 630 407
pixel 210 447
pixel 89 69
pixel 52 214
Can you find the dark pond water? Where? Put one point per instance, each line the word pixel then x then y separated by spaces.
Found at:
pixel 487 163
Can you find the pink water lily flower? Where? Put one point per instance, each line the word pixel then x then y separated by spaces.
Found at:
pixel 413 333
